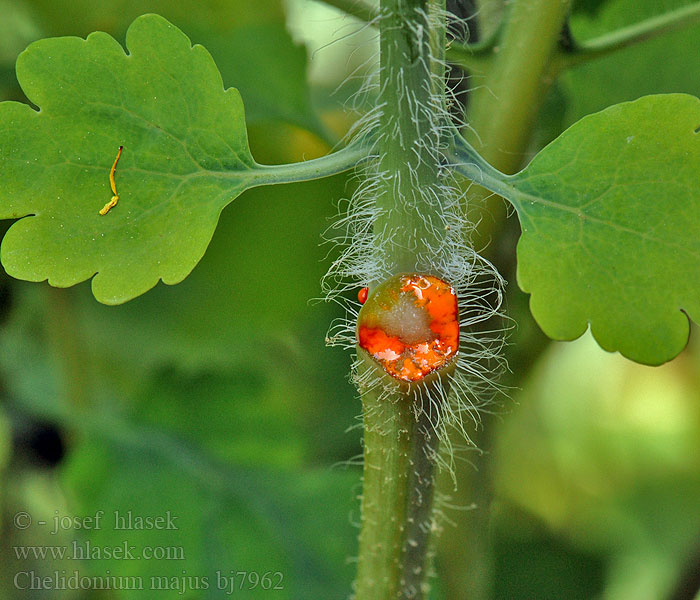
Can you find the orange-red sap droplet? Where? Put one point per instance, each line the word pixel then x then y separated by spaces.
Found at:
pixel 410 325
pixel 362 295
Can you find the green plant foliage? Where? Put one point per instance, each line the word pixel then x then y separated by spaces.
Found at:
pixel 604 441
pixel 84 16
pixel 186 156
pixel 5 440
pixel 226 454
pixel 635 71
pixel 16 31
pixel 610 236
pixel 530 564
pixel 243 298
pixel 239 36
pixel 271 90
pixel 590 7
pixel 216 400
pixel 228 518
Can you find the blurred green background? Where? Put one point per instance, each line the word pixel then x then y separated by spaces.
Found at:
pixel 216 403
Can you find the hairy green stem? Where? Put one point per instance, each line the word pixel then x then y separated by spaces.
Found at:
pixel 386 464
pixel 648 29
pixel 405 134
pixel 467 55
pixel 396 500
pixel 399 442
pixel 421 484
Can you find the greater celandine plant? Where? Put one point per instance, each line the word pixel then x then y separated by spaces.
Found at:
pixel 121 175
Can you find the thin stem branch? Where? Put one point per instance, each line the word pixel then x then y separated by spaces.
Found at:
pixel 477 56
pixel 406 136
pixel 360 9
pixel 502 111
pixel 490 14
pixel 469 58
pixel 630 36
pixel 336 162
pixel 475 168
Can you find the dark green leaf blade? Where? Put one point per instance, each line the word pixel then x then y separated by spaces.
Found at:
pixel 593 86
pixel 610 215
pixel 272 89
pixel 185 157
pixel 239 35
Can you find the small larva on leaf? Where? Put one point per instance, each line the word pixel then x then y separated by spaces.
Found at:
pixel 115 198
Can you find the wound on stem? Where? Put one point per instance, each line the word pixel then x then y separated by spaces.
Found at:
pixel 410 326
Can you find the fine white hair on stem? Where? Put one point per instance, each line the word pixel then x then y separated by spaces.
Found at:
pixel 441 247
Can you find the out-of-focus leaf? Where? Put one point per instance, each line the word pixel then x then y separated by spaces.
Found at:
pixel 228 519
pixel 81 17
pixel 269 70
pixel 30 374
pixel 221 452
pixel 667 64
pixel 5 441
pixel 609 462
pixel 239 418
pixel 251 290
pixel 248 41
pixel 530 562
pixel 17 29
pixel 590 7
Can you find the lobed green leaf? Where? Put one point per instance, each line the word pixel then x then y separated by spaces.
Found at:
pixel 185 158
pixel 610 216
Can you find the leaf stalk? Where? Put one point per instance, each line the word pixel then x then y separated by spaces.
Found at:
pixel 625 37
